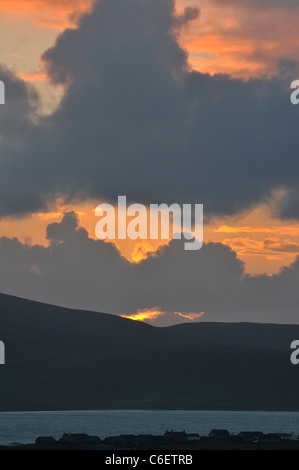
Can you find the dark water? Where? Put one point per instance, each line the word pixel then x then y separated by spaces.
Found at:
pixel 26 426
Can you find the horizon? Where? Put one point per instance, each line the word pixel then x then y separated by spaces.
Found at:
pixel 131 318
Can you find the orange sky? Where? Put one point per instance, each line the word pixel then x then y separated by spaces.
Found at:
pixel 235 37
pixel 262 241
pixel 57 14
pixel 234 40
pixel 238 40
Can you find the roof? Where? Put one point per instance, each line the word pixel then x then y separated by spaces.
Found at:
pixel 251 434
pixel 220 432
pixel 45 439
pixel 175 433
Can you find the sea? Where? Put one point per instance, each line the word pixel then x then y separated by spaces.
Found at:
pixel 25 427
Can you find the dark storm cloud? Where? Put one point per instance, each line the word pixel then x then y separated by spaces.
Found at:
pixel 80 272
pixel 189 14
pixel 22 185
pixel 16 130
pixel 288 205
pixel 135 120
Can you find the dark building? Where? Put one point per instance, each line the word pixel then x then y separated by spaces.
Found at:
pixel 193 437
pixel 172 436
pixel 271 437
pixel 251 436
pixel 79 439
pixel 219 434
pixel 45 441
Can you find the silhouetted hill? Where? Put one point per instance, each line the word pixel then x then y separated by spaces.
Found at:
pixel 57 358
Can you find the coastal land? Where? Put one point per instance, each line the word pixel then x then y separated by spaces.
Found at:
pixel 63 359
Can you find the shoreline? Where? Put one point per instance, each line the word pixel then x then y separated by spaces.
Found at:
pixel 217 439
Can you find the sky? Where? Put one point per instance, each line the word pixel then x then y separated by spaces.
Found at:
pixel 161 101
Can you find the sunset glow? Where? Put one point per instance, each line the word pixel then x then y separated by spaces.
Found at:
pixel 47 13
pixel 190 316
pixel 263 248
pixel 145 314
pixel 153 314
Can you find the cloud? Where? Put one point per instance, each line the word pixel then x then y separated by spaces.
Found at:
pixel 80 272
pixel 190 316
pixel 243 38
pixel 148 315
pixel 135 120
pixel 287 206
pixel 17 127
pixel 156 316
pixel 189 14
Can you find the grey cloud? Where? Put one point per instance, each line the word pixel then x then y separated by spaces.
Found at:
pixel 18 130
pixel 287 206
pixel 189 14
pixel 135 120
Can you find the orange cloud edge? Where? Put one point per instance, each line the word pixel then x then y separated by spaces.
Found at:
pixel 152 314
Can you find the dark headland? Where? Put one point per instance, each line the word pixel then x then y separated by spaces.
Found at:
pixel 62 359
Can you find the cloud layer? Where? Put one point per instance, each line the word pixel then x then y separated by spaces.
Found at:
pixel 136 120
pixel 80 272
